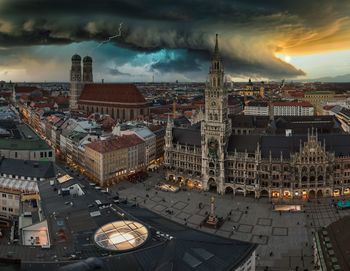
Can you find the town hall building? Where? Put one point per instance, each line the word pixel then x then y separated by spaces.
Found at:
pixel 210 156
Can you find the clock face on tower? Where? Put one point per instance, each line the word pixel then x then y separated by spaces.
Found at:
pixel 213 103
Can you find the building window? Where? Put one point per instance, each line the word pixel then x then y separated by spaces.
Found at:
pixel 4 195
pixel 41 154
pixel 50 153
pixel 11 210
pixel 4 208
pixel 15 154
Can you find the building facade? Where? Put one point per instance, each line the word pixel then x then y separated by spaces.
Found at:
pixel 114 158
pixel 257 108
pixel 210 157
pixel 292 109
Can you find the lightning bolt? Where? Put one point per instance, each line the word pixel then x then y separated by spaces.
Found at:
pixel 110 38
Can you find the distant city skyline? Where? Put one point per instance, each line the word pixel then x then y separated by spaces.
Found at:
pixel 262 40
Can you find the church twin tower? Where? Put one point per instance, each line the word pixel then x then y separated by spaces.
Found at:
pixel 76 82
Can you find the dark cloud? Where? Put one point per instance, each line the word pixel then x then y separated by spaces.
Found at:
pixel 251 31
pixel 116 72
pixel 183 63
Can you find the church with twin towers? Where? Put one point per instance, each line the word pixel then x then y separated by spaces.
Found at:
pixel 121 101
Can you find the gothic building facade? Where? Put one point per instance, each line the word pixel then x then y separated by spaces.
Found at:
pixel 209 156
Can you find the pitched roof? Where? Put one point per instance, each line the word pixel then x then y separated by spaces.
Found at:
pixel 39 169
pixel 111 93
pixel 258 103
pixel 286 145
pixel 25 89
pixel 340 238
pixel 187 136
pixel 114 143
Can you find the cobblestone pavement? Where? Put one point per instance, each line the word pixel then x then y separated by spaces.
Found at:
pixel 285 240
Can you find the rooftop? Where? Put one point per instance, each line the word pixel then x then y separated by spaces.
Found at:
pixel 38 169
pixel 20 137
pixel 339 235
pixel 169 246
pixel 258 103
pixel 114 143
pixel 111 93
pixel 187 136
pixel 283 145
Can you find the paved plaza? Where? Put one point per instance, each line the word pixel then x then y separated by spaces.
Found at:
pixel 285 239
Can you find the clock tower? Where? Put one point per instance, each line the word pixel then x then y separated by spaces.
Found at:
pixel 216 128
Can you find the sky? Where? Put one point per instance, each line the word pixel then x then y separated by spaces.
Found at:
pixel 173 40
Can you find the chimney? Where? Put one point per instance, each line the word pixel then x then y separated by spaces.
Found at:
pixel 103 80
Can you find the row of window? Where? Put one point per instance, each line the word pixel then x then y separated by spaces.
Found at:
pixel 9 209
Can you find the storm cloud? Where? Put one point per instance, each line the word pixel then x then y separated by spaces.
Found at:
pixel 251 32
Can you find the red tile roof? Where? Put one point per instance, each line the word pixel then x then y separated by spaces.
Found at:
pixel 61 99
pixel 115 143
pixel 5 94
pixel 118 93
pixel 301 103
pixel 25 89
pixel 296 93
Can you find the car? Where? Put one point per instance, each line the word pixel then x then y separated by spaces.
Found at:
pixel 67 202
pixel 91 205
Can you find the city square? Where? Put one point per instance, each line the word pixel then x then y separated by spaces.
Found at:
pixel 288 235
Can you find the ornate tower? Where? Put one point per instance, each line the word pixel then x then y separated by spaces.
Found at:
pixel 168 141
pixel 216 128
pixel 87 70
pixel 75 82
pixel 262 90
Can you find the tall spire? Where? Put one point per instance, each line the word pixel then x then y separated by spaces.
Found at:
pixel 216 50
